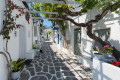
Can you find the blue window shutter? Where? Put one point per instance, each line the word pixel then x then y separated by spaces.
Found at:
pixel 53 24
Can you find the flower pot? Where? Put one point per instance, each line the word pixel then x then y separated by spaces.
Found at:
pixel 15 75
pixel 95 52
pixel 97 56
pixel 108 57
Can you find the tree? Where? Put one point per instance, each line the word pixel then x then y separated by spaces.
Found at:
pixel 48 32
pixel 66 10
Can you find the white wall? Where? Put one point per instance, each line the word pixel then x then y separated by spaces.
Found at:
pixel 105 71
pixel 29 37
pixel 70 32
pixel 13 44
pixel 3 65
pixel 2 7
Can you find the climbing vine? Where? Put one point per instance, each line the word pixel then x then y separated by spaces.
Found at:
pixel 10 24
pixel 66 10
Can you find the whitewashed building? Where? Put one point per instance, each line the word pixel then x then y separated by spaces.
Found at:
pixel 20 39
pixel 78 42
pixel 82 46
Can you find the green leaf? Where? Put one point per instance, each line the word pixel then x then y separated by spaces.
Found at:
pixel 117 12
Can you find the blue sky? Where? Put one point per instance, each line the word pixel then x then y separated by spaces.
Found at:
pixel 46 21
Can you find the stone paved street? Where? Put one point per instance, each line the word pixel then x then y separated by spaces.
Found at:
pixel 54 64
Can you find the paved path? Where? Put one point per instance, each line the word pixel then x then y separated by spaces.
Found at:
pixel 54 64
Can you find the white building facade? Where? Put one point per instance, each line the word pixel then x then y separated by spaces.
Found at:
pixel 108 29
pixel 20 39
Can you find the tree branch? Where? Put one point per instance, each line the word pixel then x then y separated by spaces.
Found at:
pixel 116 53
pixel 64 1
pixel 91 35
pixel 105 11
pixel 68 12
pixel 88 25
pixel 71 20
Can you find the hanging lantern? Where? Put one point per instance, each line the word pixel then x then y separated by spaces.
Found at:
pixel 27 17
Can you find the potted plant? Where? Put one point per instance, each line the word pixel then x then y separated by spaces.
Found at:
pixel 107 53
pixel 97 55
pixel 95 49
pixel 34 47
pixel 116 63
pixel 107 49
pixel 16 69
pixel 21 66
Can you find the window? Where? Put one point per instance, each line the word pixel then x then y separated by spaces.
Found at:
pixel 104 34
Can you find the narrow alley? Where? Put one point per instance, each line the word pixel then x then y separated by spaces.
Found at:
pixel 54 64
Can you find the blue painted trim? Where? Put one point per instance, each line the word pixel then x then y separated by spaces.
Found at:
pixel 58 38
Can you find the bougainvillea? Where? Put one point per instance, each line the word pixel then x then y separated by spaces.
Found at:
pixel 10 23
pixel 116 63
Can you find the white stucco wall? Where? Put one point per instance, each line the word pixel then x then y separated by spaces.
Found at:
pixel 3 65
pixel 3 62
pixel 105 71
pixel 13 44
pixel 2 7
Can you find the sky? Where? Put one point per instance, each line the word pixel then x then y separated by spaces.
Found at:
pixel 46 21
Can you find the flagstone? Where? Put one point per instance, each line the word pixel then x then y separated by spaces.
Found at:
pixel 53 64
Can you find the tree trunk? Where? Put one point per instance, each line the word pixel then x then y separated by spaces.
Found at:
pixel 8 66
pixel 9 60
pixel 88 24
pixel 65 43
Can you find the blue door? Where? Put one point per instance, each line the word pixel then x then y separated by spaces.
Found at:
pixel 58 38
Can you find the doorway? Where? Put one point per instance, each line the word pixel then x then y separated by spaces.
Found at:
pixel 77 41
pixel 22 42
